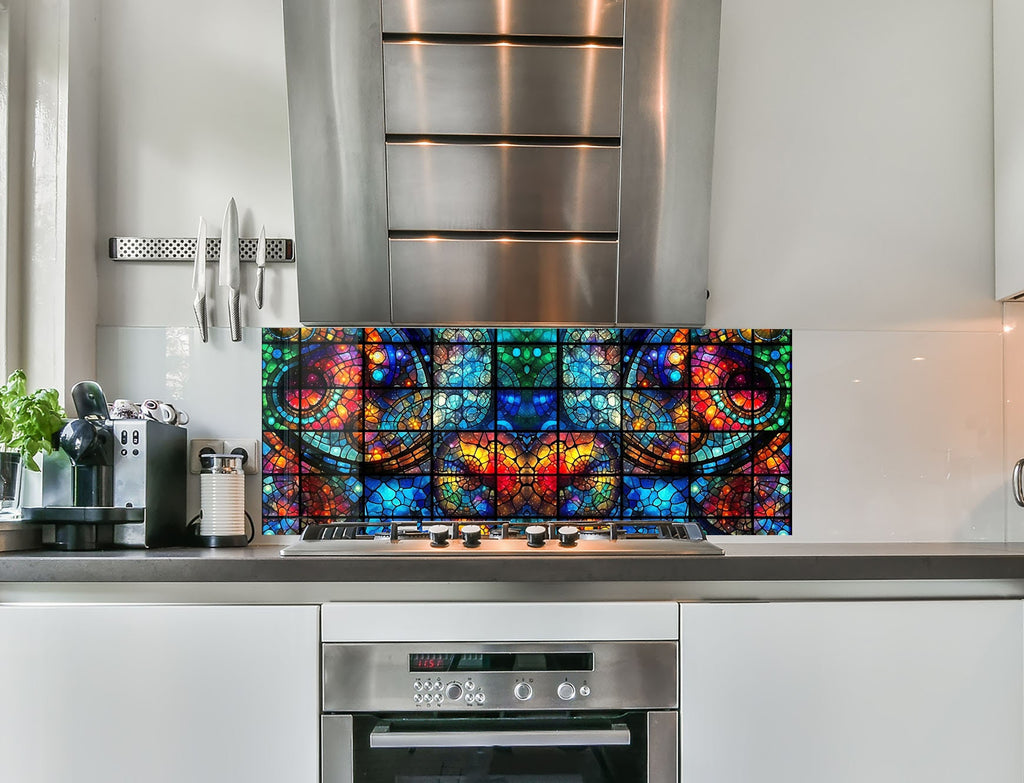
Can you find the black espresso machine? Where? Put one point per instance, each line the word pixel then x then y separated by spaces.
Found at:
pixel 112 483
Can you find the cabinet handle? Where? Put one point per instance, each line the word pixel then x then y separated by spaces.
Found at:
pixel 382 737
pixel 1018 486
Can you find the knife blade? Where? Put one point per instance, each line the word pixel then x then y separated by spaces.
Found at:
pixel 261 262
pixel 199 282
pixel 229 273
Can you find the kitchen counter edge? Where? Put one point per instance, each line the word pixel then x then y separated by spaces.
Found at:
pixel 742 562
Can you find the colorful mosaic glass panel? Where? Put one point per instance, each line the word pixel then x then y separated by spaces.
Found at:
pixel 371 425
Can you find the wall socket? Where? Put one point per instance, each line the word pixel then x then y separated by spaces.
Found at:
pixel 198 446
pixel 249 448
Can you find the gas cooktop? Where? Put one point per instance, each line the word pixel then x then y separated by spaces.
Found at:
pixel 455 539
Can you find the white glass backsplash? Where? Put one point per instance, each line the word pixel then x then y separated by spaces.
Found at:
pixel 216 383
pixel 897 435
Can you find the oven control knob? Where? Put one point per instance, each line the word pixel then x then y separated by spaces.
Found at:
pixel 522 691
pixel 568 535
pixel 438 535
pixel 566 691
pixel 471 535
pixel 584 690
pixel 453 692
pixel 535 535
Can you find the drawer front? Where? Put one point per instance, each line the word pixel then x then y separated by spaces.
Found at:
pixel 496 187
pixel 595 18
pixel 502 89
pixel 496 281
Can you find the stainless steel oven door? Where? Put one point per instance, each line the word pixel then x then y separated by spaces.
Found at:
pixel 634 747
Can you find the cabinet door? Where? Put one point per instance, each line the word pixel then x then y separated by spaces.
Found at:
pixel 162 694
pixel 1008 121
pixel 907 692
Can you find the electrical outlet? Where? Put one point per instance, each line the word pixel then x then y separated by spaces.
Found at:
pixel 249 449
pixel 198 446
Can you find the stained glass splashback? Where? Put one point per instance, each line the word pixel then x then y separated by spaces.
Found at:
pixel 368 425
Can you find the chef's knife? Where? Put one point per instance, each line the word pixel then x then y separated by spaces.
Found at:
pixel 199 281
pixel 261 262
pixel 229 275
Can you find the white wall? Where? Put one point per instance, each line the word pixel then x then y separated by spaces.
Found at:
pixel 193 111
pixel 852 203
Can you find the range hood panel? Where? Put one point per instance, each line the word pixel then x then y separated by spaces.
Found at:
pixel 538 281
pixel 438 88
pixel 502 161
pixel 502 188
pixel 335 125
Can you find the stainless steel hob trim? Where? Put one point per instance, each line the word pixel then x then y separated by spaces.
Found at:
pixel 500 548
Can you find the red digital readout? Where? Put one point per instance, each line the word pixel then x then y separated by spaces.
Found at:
pixel 427 662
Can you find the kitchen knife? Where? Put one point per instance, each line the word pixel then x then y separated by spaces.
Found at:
pixel 261 262
pixel 229 274
pixel 199 281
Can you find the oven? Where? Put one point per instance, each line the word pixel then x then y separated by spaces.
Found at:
pixel 500 712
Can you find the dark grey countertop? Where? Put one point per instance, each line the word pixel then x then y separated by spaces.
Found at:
pixel 760 561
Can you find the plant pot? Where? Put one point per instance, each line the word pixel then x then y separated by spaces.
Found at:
pixel 11 469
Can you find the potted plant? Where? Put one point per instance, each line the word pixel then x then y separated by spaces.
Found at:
pixel 28 423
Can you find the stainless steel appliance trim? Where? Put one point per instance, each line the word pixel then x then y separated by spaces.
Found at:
pixel 372 677
pixel 336 749
pixel 663 747
pixel 502 187
pixel 382 737
pixel 591 18
pixel 670 78
pixel 335 77
pixel 490 89
pixel 494 281
pixel 279 251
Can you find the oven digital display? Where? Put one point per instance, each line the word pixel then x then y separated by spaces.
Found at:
pixel 502 662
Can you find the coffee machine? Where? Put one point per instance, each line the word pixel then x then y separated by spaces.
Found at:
pixel 112 482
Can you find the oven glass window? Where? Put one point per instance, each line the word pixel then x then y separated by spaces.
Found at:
pixel 483 760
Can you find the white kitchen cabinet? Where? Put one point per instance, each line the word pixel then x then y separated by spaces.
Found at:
pixel 161 694
pixel 1008 128
pixel 850 692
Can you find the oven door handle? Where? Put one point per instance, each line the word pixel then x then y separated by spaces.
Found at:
pixel 383 737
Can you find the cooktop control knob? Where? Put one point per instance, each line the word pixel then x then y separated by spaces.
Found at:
pixel 438 535
pixel 566 691
pixel 535 535
pixel 471 535
pixel 522 691
pixel 568 535
pixel 453 692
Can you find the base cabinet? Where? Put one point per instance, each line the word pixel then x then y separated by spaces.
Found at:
pixel 900 692
pixel 161 694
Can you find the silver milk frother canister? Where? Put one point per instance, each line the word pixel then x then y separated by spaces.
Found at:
pixel 222 499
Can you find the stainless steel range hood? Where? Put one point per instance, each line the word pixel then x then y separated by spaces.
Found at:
pixel 502 161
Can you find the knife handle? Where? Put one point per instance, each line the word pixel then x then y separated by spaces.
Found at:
pixel 235 317
pixel 258 293
pixel 199 306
